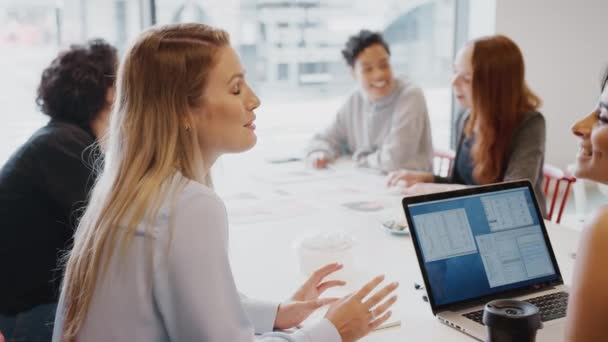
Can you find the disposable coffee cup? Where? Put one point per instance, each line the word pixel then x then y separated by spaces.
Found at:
pixel 508 320
pixel 317 250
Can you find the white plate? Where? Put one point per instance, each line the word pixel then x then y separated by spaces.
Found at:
pixel 394 228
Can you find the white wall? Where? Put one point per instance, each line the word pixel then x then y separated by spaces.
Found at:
pixel 482 20
pixel 565 47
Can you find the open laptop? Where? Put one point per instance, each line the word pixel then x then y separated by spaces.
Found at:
pixel 484 243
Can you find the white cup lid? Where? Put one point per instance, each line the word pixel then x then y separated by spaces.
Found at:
pixel 330 241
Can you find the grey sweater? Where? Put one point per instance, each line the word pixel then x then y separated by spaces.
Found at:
pixel 388 134
pixel 525 158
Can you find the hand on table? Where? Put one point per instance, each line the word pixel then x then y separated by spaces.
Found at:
pixel 430 188
pixel 306 299
pixel 357 315
pixel 408 178
pixel 319 159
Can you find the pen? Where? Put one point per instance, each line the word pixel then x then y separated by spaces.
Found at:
pixel 389 325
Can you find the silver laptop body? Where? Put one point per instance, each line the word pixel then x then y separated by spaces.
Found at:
pixel 484 243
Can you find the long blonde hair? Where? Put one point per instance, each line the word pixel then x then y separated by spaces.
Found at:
pixel 162 76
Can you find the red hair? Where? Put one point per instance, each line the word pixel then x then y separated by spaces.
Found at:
pixel 500 98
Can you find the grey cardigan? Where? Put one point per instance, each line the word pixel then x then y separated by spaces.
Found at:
pixel 525 158
pixel 389 134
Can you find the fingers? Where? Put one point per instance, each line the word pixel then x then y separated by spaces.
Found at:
pixel 323 272
pixel 355 318
pixel 318 303
pixel 392 178
pixel 329 284
pixel 380 320
pixel 367 288
pixel 319 160
pixel 417 189
pixel 408 178
pixel 322 163
pixel 380 295
pixel 326 301
pixel 380 309
pixel 397 176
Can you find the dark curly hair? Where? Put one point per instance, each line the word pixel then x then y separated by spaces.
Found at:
pixel 73 87
pixel 360 42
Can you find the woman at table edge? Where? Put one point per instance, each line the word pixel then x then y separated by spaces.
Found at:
pixel 588 305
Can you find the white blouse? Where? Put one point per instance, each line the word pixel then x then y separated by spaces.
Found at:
pixel 187 292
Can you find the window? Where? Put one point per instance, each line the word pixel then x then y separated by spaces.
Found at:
pixel 31 34
pixel 295 52
pixel 291 50
pixel 283 71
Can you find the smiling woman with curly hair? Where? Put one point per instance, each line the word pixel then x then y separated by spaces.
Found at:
pixel 46 181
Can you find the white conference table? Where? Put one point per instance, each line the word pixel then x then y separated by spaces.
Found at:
pixel 270 212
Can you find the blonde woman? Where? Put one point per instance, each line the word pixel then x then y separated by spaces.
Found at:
pixel 150 256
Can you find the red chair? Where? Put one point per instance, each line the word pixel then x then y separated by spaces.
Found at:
pixel 444 159
pixel 442 162
pixel 553 174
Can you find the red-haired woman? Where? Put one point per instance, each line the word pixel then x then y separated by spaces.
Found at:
pixel 501 134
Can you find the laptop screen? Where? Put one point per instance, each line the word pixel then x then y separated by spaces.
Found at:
pixel 481 244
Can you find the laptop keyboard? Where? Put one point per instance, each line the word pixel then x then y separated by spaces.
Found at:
pixel 551 306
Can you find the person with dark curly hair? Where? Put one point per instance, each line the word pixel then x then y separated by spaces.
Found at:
pixel 45 183
pixel 384 123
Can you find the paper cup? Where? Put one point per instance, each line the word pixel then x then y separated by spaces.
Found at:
pixel 318 250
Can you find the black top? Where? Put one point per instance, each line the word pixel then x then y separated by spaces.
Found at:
pixel 41 186
pixel 524 160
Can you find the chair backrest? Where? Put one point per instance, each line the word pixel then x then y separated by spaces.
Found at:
pixel 443 161
pixel 555 175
